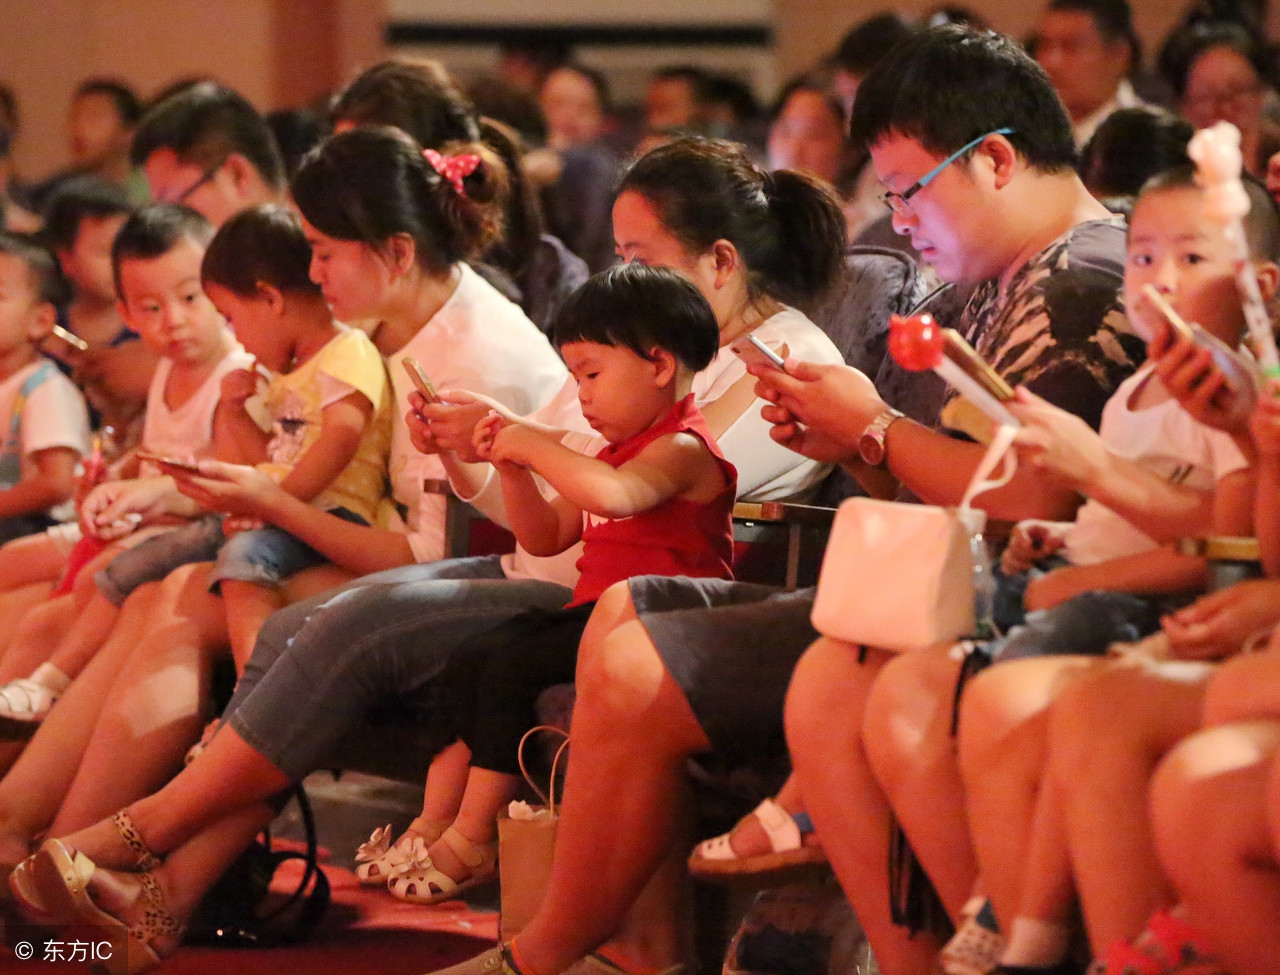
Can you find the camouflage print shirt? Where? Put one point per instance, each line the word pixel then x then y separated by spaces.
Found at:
pixel 1060 329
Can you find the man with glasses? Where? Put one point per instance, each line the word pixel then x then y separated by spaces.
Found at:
pixel 970 139
pixel 206 147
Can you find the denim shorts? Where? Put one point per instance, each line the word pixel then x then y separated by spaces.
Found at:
pixel 265 556
pixel 197 541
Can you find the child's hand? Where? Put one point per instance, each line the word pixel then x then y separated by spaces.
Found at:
pixel 454 417
pixel 107 510
pixel 1264 425
pixel 1052 588
pixel 515 443
pixel 238 385
pixel 1217 625
pixel 1030 542
pixel 485 435
pixel 1055 441
pixel 1191 377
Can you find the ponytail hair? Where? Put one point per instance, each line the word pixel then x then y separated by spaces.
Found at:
pixel 372 184
pixel 788 228
pixel 261 245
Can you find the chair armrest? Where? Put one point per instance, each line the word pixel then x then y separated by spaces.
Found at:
pixel 1220 548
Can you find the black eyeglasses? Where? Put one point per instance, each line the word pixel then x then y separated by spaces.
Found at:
pixel 205 178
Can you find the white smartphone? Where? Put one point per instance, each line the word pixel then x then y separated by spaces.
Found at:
pixel 752 351
pixel 420 379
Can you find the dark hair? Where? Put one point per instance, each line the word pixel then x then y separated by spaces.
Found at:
pixel 522 223
pixel 1184 48
pixel 788 229
pixel 76 199
pixel 154 230
pixel 599 83
pixel 9 117
pixel 128 105
pixel 516 107
pixel 1261 224
pixel 42 270
pixel 370 184
pixel 801 83
pixel 1130 146
pixel 1113 20
pixel 868 41
pixel 296 131
pixel 261 245
pixel 205 123
pixel 415 95
pixel 641 307
pixel 719 89
pixel 950 84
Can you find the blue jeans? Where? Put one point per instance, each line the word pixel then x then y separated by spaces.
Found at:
pixel 1085 624
pixel 326 669
pixel 265 556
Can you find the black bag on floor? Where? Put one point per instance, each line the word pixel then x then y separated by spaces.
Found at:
pixel 237 912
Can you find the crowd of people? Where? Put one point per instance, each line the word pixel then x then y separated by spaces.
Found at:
pixel 238 352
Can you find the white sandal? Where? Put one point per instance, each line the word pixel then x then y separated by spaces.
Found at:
pixel 423 883
pixel 715 857
pixel 379 860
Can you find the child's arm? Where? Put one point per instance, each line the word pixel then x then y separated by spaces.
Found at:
pixel 51 481
pixel 1156 572
pixel 341 427
pixel 670 466
pixel 1264 426
pixel 237 438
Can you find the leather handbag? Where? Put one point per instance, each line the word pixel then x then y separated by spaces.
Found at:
pixel 900 577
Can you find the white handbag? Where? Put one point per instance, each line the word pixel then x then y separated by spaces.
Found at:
pixel 900 577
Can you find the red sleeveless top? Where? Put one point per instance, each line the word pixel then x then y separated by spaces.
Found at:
pixel 676 538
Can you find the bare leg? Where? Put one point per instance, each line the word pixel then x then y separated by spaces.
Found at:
pixel 825 710
pixel 1133 715
pixel 446 782
pixel 1003 756
pixel 1041 932
pixel 154 712
pixel 907 731
pixel 248 606
pixel 631 725
pixel 35 558
pixel 16 603
pixel 37 636
pixel 33 790
pixel 1209 804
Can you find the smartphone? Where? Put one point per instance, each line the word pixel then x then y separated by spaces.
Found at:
pixel 420 379
pixel 73 340
pixel 174 462
pixel 752 351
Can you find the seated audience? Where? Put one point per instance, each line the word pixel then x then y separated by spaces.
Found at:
pixel 1128 148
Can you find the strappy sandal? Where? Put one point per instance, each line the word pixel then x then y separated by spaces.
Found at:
pixel 53 884
pixel 422 883
pixel 714 858
pixel 380 860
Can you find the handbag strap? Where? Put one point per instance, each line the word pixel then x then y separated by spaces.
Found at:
pixel 998 452
pixel 548 798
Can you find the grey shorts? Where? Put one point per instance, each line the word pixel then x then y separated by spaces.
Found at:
pixel 731 647
pixel 155 558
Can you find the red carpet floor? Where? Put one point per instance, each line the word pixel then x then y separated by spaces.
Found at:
pixel 365 932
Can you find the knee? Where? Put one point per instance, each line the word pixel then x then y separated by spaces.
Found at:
pixel 907 725
pixel 1098 713
pixel 826 699
pixel 619 676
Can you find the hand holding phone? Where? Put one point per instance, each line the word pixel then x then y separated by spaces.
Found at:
pixel 187 466
pixel 421 381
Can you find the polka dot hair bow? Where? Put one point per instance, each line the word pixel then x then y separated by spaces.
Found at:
pixel 453 168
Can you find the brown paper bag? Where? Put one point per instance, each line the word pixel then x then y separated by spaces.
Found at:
pixel 526 848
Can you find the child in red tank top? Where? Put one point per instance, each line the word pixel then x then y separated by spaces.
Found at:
pixel 657 500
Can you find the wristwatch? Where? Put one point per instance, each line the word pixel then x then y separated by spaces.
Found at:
pixel 871 443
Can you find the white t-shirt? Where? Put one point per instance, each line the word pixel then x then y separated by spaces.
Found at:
pixel 766 470
pixel 54 415
pixel 187 432
pixel 1166 440
pixel 477 341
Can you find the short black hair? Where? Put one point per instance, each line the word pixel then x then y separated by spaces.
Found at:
pixel 76 199
pixel 1261 224
pixel 261 245
pixel 154 230
pixel 205 123
pixel 696 78
pixel 42 270
pixel 1112 18
pixel 868 41
pixel 641 307
pixel 128 105
pixel 951 84
pixel 1130 146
